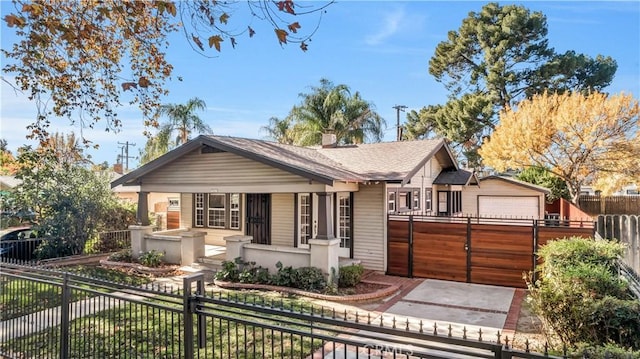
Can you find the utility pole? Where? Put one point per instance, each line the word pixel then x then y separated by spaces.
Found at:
pixel 398 109
pixel 125 155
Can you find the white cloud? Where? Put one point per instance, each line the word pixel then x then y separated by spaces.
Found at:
pixel 389 26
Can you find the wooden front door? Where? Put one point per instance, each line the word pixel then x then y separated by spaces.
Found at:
pixel 259 217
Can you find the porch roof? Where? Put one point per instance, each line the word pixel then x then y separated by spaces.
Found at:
pixel 387 161
pixel 456 177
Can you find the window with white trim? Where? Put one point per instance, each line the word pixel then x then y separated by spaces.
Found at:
pixel 217 210
pixel 403 199
pixel 427 199
pixel 234 210
pixel 305 218
pixel 199 209
pixel 344 220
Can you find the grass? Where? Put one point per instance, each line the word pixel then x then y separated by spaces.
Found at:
pixel 138 330
pixel 20 297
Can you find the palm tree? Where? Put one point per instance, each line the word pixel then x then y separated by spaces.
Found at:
pixel 331 108
pixel 280 130
pixel 183 120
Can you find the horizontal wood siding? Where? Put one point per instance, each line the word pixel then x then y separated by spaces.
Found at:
pixel 369 216
pixel 546 234
pixel 439 251
pixel 218 169
pixel 500 254
pixel 398 248
pixel 282 219
pixel 186 210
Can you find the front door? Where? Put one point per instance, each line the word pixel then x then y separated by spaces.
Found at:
pixel 259 217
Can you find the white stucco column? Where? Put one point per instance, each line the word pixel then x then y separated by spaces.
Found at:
pixel 235 246
pixel 324 255
pixel 138 243
pixel 191 247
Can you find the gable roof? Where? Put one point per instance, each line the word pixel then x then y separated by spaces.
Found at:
pixel 517 183
pixel 9 181
pixel 456 177
pixel 353 163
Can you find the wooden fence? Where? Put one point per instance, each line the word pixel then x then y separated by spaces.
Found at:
pixel 595 205
pixel 626 229
pixel 472 250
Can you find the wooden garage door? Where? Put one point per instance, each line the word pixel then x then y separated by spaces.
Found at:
pixel 509 206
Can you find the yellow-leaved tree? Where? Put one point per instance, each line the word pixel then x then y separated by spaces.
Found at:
pixel 580 138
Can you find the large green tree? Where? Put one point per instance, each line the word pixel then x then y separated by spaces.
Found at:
pixel 78 58
pixel 330 108
pixel 71 202
pixel 499 56
pixel 182 121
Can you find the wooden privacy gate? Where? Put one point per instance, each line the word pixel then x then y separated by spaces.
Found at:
pixel 473 250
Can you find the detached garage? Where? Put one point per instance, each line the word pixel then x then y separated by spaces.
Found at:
pixel 497 196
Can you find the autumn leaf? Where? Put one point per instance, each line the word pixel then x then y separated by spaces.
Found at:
pixel 303 46
pixel 215 41
pixel 197 41
pixel 282 36
pixel 144 82
pixel 13 20
pixel 171 8
pixel 251 32
pixel 286 6
pixel 294 27
pixel 129 85
pixel 224 17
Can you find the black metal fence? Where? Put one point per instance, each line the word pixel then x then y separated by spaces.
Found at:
pixel 51 314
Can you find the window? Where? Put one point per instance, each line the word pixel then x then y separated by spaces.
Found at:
pixel 392 201
pixel 449 202
pixel 199 210
pixel 174 204
pixel 427 199
pixel 403 199
pixel 305 218
pixel 234 207
pixel 217 210
pixel 344 220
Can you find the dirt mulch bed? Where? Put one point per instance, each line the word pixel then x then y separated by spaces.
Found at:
pixel 166 270
pixel 363 291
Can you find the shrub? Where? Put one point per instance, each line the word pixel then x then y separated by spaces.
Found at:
pixel 350 275
pixel 229 272
pixel 284 276
pixel 252 274
pixel 580 295
pixel 124 255
pixel 151 258
pixel 309 278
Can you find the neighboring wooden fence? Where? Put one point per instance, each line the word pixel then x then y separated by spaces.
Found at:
pixel 626 229
pixel 474 250
pixel 596 205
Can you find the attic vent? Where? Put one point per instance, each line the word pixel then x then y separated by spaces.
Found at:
pixel 209 149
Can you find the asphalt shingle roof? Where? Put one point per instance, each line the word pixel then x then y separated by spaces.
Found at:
pixel 458 177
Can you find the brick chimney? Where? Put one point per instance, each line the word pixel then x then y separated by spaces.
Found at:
pixel 117 168
pixel 329 140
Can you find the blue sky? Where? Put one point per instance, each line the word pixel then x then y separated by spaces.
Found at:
pixel 379 48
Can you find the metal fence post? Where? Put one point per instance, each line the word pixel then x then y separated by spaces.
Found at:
pixel 64 317
pixel 188 310
pixel 410 251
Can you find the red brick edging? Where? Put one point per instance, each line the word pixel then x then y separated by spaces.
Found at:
pixel 381 293
pixel 511 322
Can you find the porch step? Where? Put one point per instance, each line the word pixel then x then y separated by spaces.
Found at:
pixel 215 261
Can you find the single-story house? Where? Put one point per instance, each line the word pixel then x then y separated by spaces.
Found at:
pixel 288 197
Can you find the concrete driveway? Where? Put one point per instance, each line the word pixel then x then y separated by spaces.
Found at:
pixel 473 307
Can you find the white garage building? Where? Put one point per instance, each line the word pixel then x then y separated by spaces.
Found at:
pixel 497 196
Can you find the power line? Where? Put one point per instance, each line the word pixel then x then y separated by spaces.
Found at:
pixel 399 129
pixel 125 153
